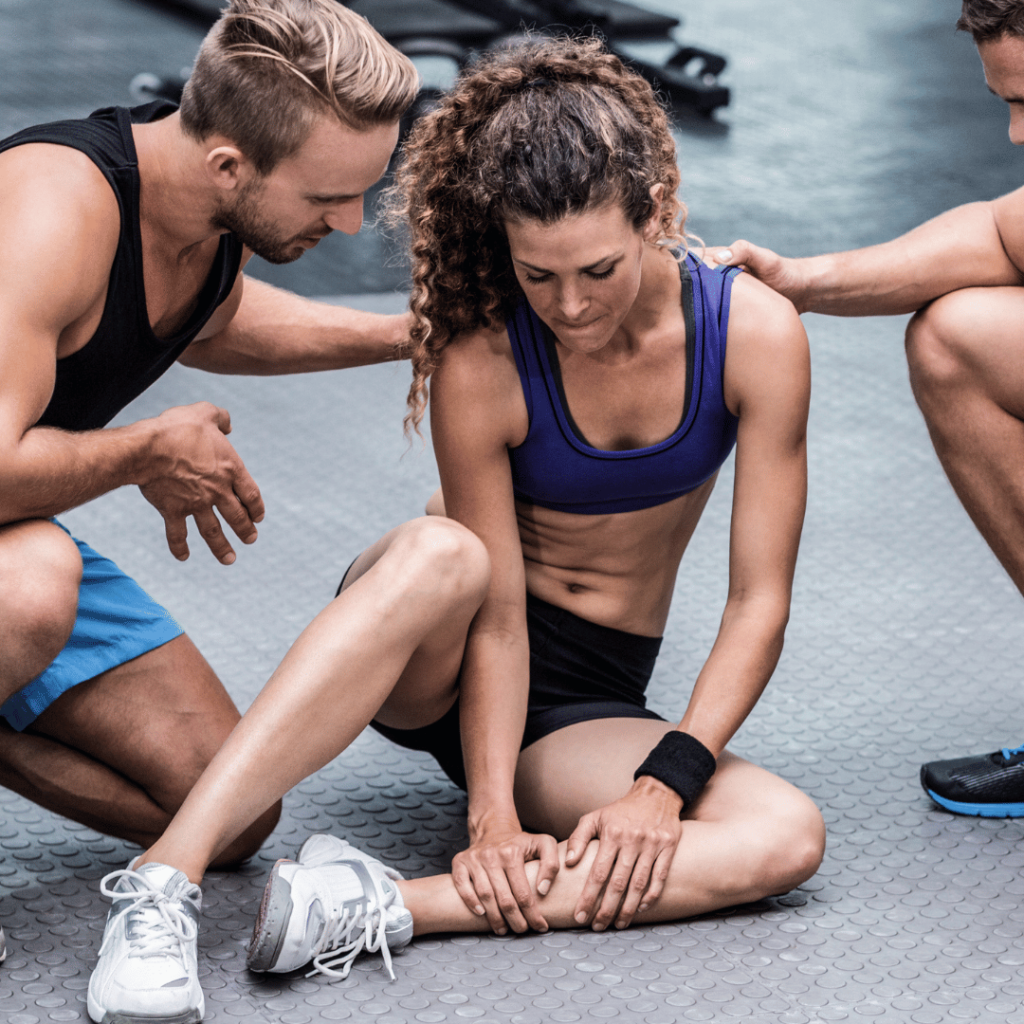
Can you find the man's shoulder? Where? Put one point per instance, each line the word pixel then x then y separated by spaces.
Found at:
pixel 59 223
pixel 44 179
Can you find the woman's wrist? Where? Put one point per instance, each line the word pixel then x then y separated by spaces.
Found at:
pixel 648 787
pixel 682 763
pixel 492 818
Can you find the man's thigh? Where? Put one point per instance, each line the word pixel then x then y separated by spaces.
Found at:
pixel 981 332
pixel 158 719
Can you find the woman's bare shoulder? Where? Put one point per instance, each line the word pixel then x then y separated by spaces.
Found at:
pixel 759 312
pixel 767 348
pixel 480 357
pixel 477 381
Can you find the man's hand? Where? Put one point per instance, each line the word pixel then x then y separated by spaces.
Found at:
pixel 491 878
pixel 785 276
pixel 637 838
pixel 192 469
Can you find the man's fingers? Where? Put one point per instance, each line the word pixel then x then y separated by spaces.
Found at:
pixel 210 529
pixel 236 515
pixel 176 529
pixel 223 419
pixel 741 251
pixel 249 495
pixel 714 255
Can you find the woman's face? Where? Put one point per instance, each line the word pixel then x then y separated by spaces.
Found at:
pixel 581 274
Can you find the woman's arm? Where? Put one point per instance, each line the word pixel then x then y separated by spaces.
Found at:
pixel 767 384
pixel 477 411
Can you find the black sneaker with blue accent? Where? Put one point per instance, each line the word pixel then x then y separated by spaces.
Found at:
pixel 988 785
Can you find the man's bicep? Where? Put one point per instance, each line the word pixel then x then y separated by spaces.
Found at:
pixel 27 373
pixel 197 353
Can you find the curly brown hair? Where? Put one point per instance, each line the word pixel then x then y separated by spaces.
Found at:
pixel 541 130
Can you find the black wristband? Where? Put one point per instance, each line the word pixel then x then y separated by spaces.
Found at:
pixel 682 763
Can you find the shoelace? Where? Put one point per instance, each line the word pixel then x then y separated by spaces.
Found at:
pixel 169 932
pixel 1008 752
pixel 338 947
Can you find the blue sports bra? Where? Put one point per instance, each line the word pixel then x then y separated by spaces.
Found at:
pixel 556 468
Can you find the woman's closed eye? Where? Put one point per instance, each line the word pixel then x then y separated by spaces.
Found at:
pixel 597 275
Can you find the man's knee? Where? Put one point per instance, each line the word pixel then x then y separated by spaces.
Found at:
pixel 939 344
pixel 41 570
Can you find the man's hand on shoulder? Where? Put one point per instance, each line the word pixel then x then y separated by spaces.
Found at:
pixel 189 468
pixel 780 274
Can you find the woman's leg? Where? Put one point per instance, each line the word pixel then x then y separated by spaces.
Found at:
pixel 750 834
pixel 390 643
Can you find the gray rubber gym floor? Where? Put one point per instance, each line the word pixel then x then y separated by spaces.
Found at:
pixel 850 122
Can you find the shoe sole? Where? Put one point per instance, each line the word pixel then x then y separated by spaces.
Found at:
pixel 101 1016
pixel 978 810
pixel 268 932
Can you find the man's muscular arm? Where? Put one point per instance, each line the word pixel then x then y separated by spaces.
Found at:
pixel 977 245
pixel 59 224
pixel 262 330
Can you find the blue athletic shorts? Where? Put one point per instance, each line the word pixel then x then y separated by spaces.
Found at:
pixel 117 621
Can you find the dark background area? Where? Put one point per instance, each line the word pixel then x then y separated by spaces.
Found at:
pixel 849 122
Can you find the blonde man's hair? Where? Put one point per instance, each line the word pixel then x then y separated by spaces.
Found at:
pixel 269 68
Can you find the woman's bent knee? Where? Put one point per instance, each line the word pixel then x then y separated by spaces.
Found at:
pixel 447 556
pixel 797 847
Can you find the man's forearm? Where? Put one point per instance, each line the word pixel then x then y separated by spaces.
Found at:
pixel 51 471
pixel 961 248
pixel 275 331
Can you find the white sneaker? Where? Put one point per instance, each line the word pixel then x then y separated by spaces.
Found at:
pixel 329 906
pixel 147 971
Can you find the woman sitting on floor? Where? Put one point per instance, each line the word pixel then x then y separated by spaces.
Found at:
pixel 589 378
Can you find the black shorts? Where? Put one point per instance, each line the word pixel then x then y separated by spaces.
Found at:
pixel 579 671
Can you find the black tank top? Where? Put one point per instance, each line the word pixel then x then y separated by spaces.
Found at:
pixel 124 356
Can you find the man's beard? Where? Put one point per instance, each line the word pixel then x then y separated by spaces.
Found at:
pixel 244 218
